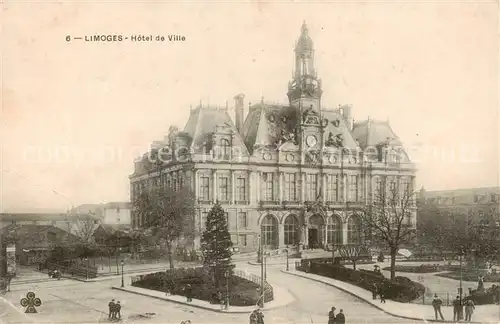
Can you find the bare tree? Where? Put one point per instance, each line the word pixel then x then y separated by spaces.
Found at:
pixel 388 218
pixel 84 227
pixel 352 253
pixel 169 212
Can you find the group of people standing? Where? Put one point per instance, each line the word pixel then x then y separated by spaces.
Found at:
pixel 458 308
pixel 378 291
pixel 336 319
pixel 114 310
pixel 257 317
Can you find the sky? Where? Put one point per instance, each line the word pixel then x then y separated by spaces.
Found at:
pixel 75 114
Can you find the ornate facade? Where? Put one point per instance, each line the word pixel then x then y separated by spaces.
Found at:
pixel 286 173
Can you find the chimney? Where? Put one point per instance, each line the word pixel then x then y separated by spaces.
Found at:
pixel 347 114
pixel 239 108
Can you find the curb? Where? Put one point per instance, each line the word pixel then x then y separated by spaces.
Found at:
pixel 372 304
pixel 189 304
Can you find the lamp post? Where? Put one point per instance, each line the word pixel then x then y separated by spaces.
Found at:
pixel 123 282
pixel 87 268
pixel 261 272
pixel 287 266
pixel 227 289
pixel 460 289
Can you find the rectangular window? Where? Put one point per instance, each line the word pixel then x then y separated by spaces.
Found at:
pixel 175 184
pixel 312 186
pixel 332 187
pixel 226 215
pixel 353 188
pixel 241 189
pixel 204 188
pixel 493 198
pixel 243 240
pixel 290 187
pixel 223 188
pixel 242 220
pixel 181 181
pixel 268 188
pixel 203 224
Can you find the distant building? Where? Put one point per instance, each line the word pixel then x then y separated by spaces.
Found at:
pixel 65 221
pixel 34 242
pixel 117 213
pixel 112 213
pixel 268 165
pixel 477 205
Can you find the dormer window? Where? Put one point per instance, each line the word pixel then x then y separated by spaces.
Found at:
pixel 225 149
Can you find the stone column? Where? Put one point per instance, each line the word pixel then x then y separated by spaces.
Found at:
pixel 214 177
pixel 302 187
pixel 344 230
pixel 325 235
pixel 233 186
pixel 195 185
pixel 258 182
pixel 280 186
pixel 281 235
pixel 249 186
pixel 324 187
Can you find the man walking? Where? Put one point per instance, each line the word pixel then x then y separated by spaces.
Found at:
pixel 189 293
pixel 118 308
pixel 374 291
pixel 457 309
pixel 331 316
pixel 111 306
pixel 340 318
pixel 469 309
pixel 436 303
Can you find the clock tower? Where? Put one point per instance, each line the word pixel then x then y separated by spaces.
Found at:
pixel 304 91
pixel 304 94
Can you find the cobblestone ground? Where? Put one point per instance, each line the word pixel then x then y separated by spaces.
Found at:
pixel 77 302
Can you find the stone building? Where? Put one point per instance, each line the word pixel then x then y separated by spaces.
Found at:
pixel 268 165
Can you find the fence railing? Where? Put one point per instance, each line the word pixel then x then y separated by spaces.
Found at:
pixel 73 271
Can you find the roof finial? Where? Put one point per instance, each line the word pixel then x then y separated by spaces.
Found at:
pixel 201 104
pixel 227 106
pixel 262 99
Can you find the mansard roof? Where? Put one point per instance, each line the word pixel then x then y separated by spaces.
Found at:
pixel 204 121
pixel 265 123
pixel 370 134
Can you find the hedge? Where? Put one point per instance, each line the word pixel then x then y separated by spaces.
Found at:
pixel 423 268
pixel 400 289
pixel 242 292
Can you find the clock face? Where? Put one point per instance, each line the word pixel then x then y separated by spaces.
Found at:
pixel 311 141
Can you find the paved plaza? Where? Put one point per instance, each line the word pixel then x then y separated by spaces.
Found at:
pixel 69 301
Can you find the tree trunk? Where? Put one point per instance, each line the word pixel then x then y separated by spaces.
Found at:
pixel 394 250
pixel 169 253
pixel 354 264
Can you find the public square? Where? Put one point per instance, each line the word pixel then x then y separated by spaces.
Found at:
pixel 70 301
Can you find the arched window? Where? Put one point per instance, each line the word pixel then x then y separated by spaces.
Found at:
pixel 291 230
pixel 269 231
pixel 353 230
pixel 225 149
pixel 334 230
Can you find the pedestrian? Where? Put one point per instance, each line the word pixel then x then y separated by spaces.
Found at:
pixel 340 318
pixel 111 306
pixel 436 303
pixel 374 291
pixel 381 293
pixel 469 309
pixel 457 309
pixel 253 317
pixel 331 316
pixel 260 317
pixel 118 308
pixel 189 293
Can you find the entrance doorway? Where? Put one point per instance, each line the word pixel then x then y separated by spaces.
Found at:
pixel 313 238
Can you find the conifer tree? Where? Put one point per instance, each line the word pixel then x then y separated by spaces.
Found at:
pixel 216 244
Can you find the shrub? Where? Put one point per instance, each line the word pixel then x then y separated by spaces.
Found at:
pixel 400 289
pixel 242 292
pixel 423 268
pixel 487 296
